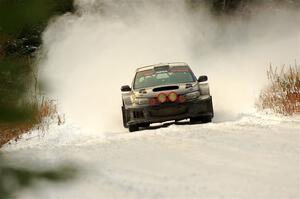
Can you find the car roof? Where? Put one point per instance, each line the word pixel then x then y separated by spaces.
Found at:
pixel 172 64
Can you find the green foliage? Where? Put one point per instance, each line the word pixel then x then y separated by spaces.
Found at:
pixel 21 25
pixel 17 15
pixel 15 79
pixel 13 179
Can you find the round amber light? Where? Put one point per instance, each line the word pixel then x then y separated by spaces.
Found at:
pixel 172 96
pixel 162 97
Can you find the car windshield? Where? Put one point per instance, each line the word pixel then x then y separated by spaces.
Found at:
pixel 163 76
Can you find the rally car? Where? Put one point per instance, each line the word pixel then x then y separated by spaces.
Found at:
pixel 165 92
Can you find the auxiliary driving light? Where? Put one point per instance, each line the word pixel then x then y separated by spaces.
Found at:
pixel 152 101
pixel 162 97
pixel 172 96
pixel 181 99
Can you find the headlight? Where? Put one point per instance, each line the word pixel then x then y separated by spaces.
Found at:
pixel 140 100
pixel 192 95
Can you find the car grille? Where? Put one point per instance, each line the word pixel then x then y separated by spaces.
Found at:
pixel 168 111
pixel 138 114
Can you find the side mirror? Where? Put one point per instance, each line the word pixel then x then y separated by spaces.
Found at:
pixel 125 88
pixel 202 78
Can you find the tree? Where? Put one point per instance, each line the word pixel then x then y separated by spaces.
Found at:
pixel 21 25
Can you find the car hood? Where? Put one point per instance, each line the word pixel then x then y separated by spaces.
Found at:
pixel 182 88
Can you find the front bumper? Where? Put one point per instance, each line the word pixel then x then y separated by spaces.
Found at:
pixel 170 111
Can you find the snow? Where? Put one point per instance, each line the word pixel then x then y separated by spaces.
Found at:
pixel 254 156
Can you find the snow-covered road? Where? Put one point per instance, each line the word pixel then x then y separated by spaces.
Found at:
pixel 255 156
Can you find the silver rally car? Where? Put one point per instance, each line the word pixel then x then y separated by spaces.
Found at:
pixel 165 92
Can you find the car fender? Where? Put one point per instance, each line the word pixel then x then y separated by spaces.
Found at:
pixel 204 88
pixel 126 98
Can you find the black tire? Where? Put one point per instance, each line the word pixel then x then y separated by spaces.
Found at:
pixel 211 109
pixel 133 128
pixel 145 125
pixel 203 119
pixel 124 116
pixel 195 120
pixel 206 119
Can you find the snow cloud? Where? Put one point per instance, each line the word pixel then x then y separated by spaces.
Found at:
pixel 89 54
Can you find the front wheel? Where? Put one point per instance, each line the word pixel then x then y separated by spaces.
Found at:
pixel 206 119
pixel 195 120
pixel 133 128
pixel 144 125
pixel 202 119
pixel 124 116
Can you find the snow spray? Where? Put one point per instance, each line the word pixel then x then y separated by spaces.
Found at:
pixel 89 54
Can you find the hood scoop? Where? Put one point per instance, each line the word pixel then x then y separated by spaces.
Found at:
pixel 142 91
pixel 165 88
